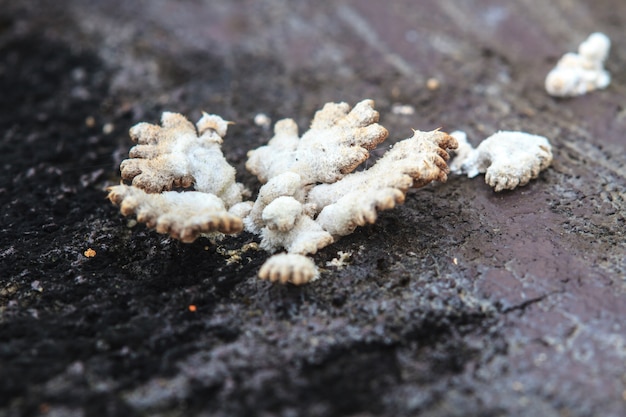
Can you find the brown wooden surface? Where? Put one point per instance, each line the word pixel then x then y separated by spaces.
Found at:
pixel 529 320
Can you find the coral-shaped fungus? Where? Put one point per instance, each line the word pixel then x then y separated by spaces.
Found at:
pixel 311 195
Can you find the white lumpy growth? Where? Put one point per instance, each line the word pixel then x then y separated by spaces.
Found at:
pixel 282 213
pixel 508 159
pixel 579 73
pixel 596 47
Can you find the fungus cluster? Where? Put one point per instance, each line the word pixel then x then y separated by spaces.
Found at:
pixel 579 73
pixel 178 182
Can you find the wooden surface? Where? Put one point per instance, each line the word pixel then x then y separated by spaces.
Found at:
pixel 460 302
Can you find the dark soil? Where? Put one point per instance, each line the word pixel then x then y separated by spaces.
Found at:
pixel 461 302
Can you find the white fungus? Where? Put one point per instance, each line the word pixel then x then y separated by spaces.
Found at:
pixel 179 154
pixel 579 73
pixel 403 109
pixel 338 140
pixel 508 159
pixel 184 216
pixel 288 267
pixel 262 120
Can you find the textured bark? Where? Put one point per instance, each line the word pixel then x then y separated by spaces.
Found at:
pixel 460 302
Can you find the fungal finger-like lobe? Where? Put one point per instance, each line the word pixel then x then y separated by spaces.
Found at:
pixel 509 159
pixel 356 199
pixel 145 133
pixel 278 155
pixel 357 209
pixel 337 142
pixel 287 267
pixel 184 216
pixel 362 114
pixel 579 73
pixel 155 164
pixel 309 239
pixel 330 115
pixel 424 156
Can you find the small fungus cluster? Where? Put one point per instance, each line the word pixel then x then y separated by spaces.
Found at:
pixel 179 183
pixel 579 73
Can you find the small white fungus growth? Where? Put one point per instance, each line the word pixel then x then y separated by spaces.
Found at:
pixel 508 159
pixel 578 74
pixel 108 128
pixel 287 267
pixel 262 120
pixel 305 238
pixel 403 109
